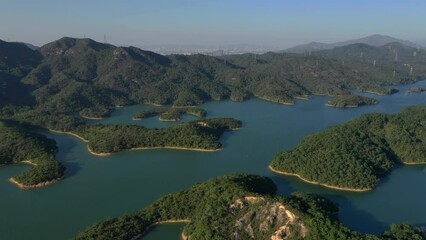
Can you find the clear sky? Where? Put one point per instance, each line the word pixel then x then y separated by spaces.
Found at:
pixel 281 23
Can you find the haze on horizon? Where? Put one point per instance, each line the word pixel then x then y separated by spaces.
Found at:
pixel 275 23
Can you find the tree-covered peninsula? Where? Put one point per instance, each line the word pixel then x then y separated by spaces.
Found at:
pixel 241 207
pixel 355 155
pixel 351 101
pixel 201 135
pixel 20 146
pixel 172 113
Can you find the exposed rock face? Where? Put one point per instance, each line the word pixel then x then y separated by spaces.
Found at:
pixel 258 218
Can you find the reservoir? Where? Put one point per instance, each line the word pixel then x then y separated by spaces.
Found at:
pixel 97 188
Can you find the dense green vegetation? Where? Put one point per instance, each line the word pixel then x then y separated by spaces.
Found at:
pixel 18 145
pixel 357 154
pixel 95 112
pixel 73 77
pixel 346 101
pixel 241 207
pixel 171 114
pixel 203 135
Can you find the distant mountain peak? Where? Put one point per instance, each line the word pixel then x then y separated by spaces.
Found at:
pixel 376 40
pixel 63 45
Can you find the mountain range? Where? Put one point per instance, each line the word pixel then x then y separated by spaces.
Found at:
pixel 376 40
pixel 69 76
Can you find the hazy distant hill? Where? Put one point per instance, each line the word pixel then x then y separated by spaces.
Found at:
pixel 388 53
pixel 33 47
pixel 214 50
pixel 372 40
pixel 421 42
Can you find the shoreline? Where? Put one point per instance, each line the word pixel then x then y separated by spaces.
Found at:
pixel 168 120
pixel 29 162
pixel 413 163
pixel 321 184
pixel 302 97
pixel 105 154
pixel 148 229
pixel 376 93
pixel 97 154
pixel 347 106
pixel 92 118
pixel 38 185
pixel 69 133
pixel 283 103
pixel 176 148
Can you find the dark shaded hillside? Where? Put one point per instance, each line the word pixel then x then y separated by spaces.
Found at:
pixel 16 61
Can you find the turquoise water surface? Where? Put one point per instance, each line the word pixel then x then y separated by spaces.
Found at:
pixel 96 188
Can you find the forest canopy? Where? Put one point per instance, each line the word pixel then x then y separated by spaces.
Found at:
pixel 355 155
pixel 19 145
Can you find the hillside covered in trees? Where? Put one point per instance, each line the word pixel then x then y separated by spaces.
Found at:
pixel 75 77
pixel 18 145
pixel 202 135
pixel 355 155
pixel 241 207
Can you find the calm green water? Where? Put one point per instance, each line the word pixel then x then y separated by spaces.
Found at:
pixel 100 187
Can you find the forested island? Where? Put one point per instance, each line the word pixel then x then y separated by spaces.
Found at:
pixel 171 114
pixel 241 206
pixel 355 155
pixel 416 90
pixel 201 135
pixel 351 101
pixel 21 146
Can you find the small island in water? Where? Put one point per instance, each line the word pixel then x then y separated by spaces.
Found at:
pixel 416 90
pixel 21 146
pixel 238 207
pixel 201 135
pixel 355 155
pixel 171 114
pixel 351 101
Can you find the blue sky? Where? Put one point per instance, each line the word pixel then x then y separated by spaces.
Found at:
pixel 280 23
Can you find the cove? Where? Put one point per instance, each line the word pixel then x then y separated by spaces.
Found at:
pixel 96 188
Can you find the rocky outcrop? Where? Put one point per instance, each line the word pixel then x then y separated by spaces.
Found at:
pixel 258 217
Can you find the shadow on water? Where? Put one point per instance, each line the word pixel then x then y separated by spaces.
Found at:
pixel 349 214
pixel 66 144
pixel 224 139
pixel 283 186
pixel 356 219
